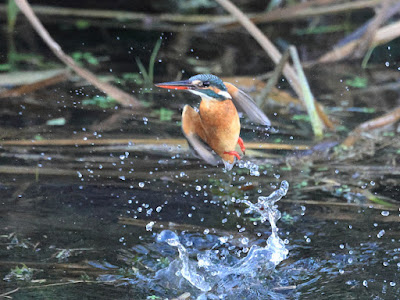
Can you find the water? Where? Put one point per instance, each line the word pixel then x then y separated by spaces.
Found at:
pixel 333 249
pixel 211 272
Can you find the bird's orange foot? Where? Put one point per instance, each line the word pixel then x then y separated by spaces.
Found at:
pixel 234 153
pixel 241 145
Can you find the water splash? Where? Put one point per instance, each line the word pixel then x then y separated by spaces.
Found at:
pixel 220 273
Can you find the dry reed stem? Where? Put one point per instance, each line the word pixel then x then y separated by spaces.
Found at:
pixel 386 119
pixel 380 36
pixel 167 142
pixel 312 9
pixel 365 42
pixel 119 95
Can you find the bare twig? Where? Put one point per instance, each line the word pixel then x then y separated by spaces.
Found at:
pixel 299 11
pixel 120 96
pixel 167 142
pixel 264 42
pixel 366 40
pixel 29 88
pixel 387 119
pixel 6 295
pixel 272 81
pixel 367 37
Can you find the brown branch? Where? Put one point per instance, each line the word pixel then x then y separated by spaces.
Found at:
pixel 366 40
pixel 372 36
pixel 119 95
pixel 387 119
pixel 6 295
pixel 29 88
pixel 307 10
pixel 382 36
pixel 295 12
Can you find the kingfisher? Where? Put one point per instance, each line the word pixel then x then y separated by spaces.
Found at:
pixel 215 126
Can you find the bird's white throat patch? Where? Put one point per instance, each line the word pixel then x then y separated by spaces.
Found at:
pixel 225 94
pixel 205 96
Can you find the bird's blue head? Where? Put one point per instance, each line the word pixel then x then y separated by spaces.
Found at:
pixel 207 86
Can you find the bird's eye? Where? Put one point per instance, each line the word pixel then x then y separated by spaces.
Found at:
pixel 206 83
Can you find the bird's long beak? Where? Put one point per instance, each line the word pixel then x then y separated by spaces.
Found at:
pixel 176 85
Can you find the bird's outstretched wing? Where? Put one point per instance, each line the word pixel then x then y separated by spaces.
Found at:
pixel 201 149
pixel 243 102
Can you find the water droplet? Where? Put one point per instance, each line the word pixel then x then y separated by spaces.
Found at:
pixel 141 184
pixel 168 236
pixel 380 234
pixel 149 226
pixel 385 213
pixel 223 239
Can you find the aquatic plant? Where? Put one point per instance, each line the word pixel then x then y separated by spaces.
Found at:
pixel 148 75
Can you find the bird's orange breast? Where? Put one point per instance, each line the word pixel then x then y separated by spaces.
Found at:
pixel 221 124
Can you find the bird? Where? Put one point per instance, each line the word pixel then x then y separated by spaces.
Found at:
pixel 215 126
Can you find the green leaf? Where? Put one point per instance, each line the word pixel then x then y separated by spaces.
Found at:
pixel 5 67
pixel 12 13
pixel 103 102
pixel 301 118
pixel 82 24
pixel 357 82
pixel 56 122
pixel 166 114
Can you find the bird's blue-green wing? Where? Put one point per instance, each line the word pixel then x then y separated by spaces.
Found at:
pixel 245 103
